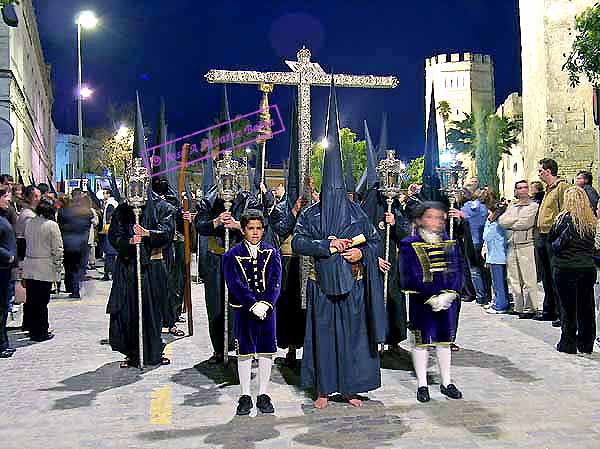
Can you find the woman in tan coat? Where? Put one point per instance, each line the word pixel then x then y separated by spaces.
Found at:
pixel 41 267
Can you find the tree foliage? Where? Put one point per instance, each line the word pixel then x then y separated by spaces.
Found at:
pixel 414 170
pixel 584 58
pixel 351 149
pixel 485 138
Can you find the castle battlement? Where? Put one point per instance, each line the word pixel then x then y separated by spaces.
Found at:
pixel 473 58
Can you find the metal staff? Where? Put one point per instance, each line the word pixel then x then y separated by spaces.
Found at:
pixel 187 287
pixel 229 173
pixel 391 172
pixel 452 180
pixel 138 185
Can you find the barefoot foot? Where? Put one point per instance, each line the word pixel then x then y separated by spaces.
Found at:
pixel 354 402
pixel 321 403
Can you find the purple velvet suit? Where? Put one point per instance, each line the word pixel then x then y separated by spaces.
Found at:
pixel 252 281
pixel 427 270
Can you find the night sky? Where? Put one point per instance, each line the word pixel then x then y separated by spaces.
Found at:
pixel 164 48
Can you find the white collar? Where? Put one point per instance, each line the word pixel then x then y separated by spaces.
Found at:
pixel 253 249
pixel 430 237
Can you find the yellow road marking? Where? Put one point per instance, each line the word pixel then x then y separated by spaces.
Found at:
pixel 161 408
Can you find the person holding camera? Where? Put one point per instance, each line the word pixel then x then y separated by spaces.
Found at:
pixel 494 251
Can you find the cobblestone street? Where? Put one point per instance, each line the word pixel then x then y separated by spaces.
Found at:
pixel 70 393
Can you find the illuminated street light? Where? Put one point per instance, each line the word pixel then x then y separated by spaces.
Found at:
pixel 87 20
pixel 324 142
pixel 122 132
pixel 85 92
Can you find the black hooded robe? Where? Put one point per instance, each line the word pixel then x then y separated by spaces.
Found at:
pixel 123 301
pixel 375 207
pixel 342 331
pixel 291 318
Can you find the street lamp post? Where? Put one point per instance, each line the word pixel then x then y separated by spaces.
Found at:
pixel 85 20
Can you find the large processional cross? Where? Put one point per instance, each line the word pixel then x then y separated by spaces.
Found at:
pixel 304 74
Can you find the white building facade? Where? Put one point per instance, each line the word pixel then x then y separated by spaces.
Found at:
pixel 26 99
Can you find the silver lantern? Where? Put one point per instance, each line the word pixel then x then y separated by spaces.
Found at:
pixel 391 173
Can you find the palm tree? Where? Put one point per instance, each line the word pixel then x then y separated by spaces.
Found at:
pixel 485 138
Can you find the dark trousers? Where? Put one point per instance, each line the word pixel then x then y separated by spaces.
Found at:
pixel 551 295
pixel 72 271
pixel 38 297
pixel 215 304
pixel 109 263
pixel 578 323
pixel 4 281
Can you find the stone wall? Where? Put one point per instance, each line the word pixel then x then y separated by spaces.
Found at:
pixel 557 119
pixel 464 80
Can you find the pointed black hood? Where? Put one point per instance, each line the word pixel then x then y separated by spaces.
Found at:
pixel 431 180
pixel 335 205
pixel 161 139
pixel 369 176
pixel 139 141
pixel 383 138
pixel 292 188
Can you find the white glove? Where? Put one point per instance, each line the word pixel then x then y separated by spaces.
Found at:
pixel 260 309
pixel 446 299
pixel 435 303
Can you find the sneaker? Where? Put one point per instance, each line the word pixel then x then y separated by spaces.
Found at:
pixel 451 391
pixel 423 394
pixel 493 311
pixel 244 405
pixel 263 403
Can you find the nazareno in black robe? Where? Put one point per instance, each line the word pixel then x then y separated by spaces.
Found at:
pixel 123 301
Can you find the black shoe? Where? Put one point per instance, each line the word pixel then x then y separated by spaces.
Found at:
pixel 263 403
pixel 586 350
pixel 514 312
pixel 73 295
pixel 566 350
pixel 48 336
pixel 451 391
pixel 526 316
pixel 556 323
pixel 6 353
pixel 544 317
pixel 216 358
pixel 244 405
pixel 423 394
pixel 467 299
pixel 105 278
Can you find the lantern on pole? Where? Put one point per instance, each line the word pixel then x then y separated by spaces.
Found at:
pixel 452 180
pixel 136 198
pixel 391 173
pixel 229 173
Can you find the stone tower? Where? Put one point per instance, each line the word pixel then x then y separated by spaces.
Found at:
pixel 465 81
pixel 557 119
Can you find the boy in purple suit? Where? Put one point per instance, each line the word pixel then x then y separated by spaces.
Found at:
pixel 431 275
pixel 252 271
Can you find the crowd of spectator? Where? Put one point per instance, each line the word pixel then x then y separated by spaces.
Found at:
pixel 48 241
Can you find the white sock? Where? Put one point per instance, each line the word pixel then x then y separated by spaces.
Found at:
pixel 444 355
pixel 245 373
pixel 264 373
pixel 419 358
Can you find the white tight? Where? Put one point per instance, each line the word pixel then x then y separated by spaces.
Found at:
pixel 420 356
pixel 265 363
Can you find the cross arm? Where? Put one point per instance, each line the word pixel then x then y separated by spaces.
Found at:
pixel 252 77
pixel 363 81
